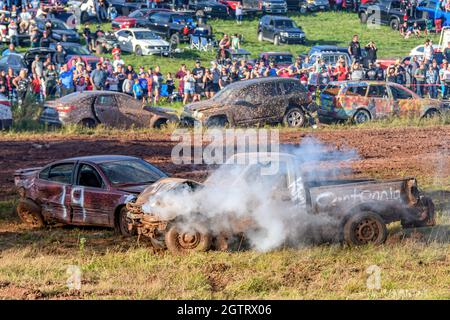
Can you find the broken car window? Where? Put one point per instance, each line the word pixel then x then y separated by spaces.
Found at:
pixel 61 173
pixel 357 91
pixel 131 172
pixel 400 93
pixel 377 91
pixel 89 177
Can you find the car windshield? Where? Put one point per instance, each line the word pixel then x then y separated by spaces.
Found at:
pixel 145 35
pixel 59 25
pixel 285 24
pixel 281 59
pixel 224 94
pixel 136 14
pixel 137 171
pixel 78 50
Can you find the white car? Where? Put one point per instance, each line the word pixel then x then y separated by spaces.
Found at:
pixel 418 51
pixel 142 42
pixel 5 113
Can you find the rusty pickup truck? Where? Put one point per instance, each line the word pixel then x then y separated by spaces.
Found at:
pixel 89 190
pixel 362 207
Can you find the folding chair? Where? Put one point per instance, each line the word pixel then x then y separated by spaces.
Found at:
pixel 204 44
pixel 195 42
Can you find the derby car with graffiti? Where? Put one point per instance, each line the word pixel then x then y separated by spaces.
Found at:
pixel 89 190
pixel 362 101
pixel 359 208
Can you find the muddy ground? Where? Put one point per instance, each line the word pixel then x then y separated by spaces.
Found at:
pixel 390 152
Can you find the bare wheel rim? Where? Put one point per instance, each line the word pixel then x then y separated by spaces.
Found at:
pixel 361 117
pixel 367 230
pixel 28 217
pixel 189 240
pixel 295 118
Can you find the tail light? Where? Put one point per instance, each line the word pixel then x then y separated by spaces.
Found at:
pixel 62 108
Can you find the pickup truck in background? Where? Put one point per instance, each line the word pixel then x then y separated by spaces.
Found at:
pixel 361 207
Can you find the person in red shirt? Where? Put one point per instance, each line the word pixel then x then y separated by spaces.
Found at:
pixel 116 50
pixel 36 87
pixel 341 71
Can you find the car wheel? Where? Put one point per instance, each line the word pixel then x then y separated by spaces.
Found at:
pixel 365 228
pixel 190 239
pixel 363 17
pixel 138 51
pixel 361 116
pixel 395 24
pixel 276 40
pixel 303 10
pixel 260 37
pixel 431 114
pixel 122 222
pixel 30 213
pixel 294 118
pixel 88 123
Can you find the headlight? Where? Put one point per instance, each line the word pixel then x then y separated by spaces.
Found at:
pixel 266 4
pixel 284 34
pixel 208 9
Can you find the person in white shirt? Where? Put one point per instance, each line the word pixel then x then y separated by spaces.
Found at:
pixel 25 18
pixel 40 13
pixel 117 62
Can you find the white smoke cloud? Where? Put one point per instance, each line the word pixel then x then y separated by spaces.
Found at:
pixel 271 210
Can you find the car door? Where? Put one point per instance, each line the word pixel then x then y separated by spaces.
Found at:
pixel 91 201
pixel 124 38
pixel 379 101
pixel 106 109
pixel 405 103
pixel 270 29
pixel 54 187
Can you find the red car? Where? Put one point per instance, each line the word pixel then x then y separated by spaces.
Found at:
pixel 91 190
pixel 88 60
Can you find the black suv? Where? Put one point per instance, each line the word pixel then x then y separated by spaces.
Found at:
pixel 280 29
pixel 246 103
pixel 169 25
pixel 386 12
pixel 208 8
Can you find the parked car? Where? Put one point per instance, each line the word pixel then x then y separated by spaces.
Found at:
pixel 331 54
pixel 135 19
pixel 112 109
pixel 247 103
pixel 362 101
pixel 83 191
pixel 105 42
pixel 142 42
pixel 232 5
pixel 419 50
pixel 386 12
pixel 90 60
pixel 60 31
pixel 208 8
pixel 279 29
pixel 293 5
pixel 175 27
pixel 17 61
pixel 358 209
pixel 71 49
pixel 281 59
pixel 6 119
pixel 124 7
pixel 314 5
pixel 433 10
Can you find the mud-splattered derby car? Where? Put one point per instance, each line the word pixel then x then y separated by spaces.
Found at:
pixel 83 191
pixel 362 101
pixel 359 208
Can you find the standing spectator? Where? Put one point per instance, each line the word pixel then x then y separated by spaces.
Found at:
pixel 224 78
pixel 21 84
pixel 189 86
pixel 170 82
pixel 354 49
pixel 113 82
pixel 357 72
pixel 34 38
pixel 341 72
pixel 208 83
pixel 9 84
pixel 216 77
pixel 60 56
pixel 432 79
pixel 235 42
pixel 36 87
pixel 447 52
pixel 371 50
pixel 445 80
pixel 50 81
pixel 13 33
pixel 37 67
pixel 87 35
pixel 137 90
pixel 428 51
pixel 66 80
pixel 98 78
pixel 45 40
pixel 127 86
pixel 157 82
pixel 25 18
pixel 143 82
pixel 121 77
pixel 420 76
pixel 11 49
pixel 239 13
pixel 198 72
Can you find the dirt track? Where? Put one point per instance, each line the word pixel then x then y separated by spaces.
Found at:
pixel 422 152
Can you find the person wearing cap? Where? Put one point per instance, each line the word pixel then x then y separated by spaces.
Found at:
pixel 45 40
pixel 66 79
pixel 98 78
pixel 198 72
pixel 34 37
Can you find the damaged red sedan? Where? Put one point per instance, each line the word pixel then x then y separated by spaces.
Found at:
pixel 83 191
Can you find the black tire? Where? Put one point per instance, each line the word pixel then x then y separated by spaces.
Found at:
pixel 138 51
pixel 394 24
pixel 361 116
pixel 365 228
pixel 30 213
pixel 88 123
pixel 179 242
pixel 276 40
pixel 174 39
pixel 122 221
pixel 294 118
pixel 363 17
pixel 431 114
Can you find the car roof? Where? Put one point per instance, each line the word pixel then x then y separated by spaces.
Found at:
pixel 276 17
pixel 275 53
pixel 243 84
pixel 101 158
pixel 360 82
pixel 137 29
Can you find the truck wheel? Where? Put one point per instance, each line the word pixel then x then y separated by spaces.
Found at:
pixel 364 228
pixel 276 40
pixel 30 213
pixel 138 51
pixel 395 24
pixel 122 221
pixel 361 116
pixel 260 37
pixel 363 17
pixel 294 118
pixel 180 241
